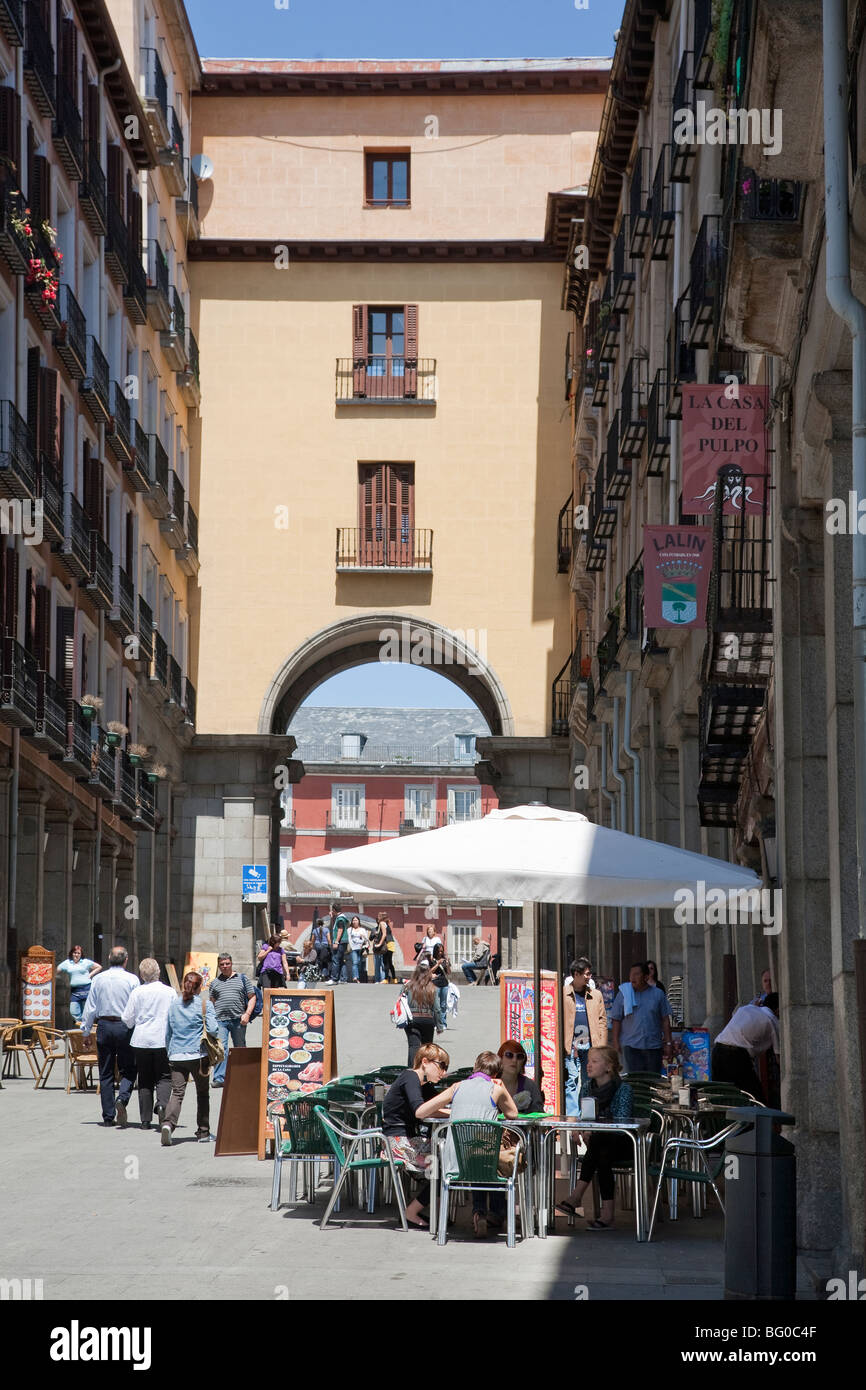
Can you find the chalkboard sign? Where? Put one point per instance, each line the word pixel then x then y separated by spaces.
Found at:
pixel 299 1049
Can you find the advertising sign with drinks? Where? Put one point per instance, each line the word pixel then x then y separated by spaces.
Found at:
pixel 517 999
pixel 695 1054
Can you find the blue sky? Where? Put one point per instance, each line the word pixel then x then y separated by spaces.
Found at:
pixel 390 683
pixel 405 28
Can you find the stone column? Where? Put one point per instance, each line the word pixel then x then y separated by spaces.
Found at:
pixel 684 728
pixel 718 942
pixel 29 896
pixel 666 789
pixel 114 931
pixel 57 930
pixel 6 973
pixel 82 904
pixel 126 907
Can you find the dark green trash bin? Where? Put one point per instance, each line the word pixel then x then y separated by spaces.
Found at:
pixel 760 1208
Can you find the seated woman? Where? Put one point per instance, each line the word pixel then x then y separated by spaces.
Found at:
pixel 613 1101
pixel 526 1093
pixel 412 1093
pixel 481 1096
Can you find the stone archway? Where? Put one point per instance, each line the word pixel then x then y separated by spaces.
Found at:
pixel 361 639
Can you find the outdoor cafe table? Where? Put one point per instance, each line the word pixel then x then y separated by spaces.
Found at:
pixel 636 1129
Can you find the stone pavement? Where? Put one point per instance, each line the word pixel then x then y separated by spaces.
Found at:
pixel 99 1213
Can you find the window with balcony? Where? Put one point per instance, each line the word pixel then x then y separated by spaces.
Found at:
pixel 347 807
pixel 419 808
pixel 386 507
pixel 464 803
pixel 384 367
pixel 387 178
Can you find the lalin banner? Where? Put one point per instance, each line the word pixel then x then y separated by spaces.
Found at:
pixel 676 563
pixel 719 429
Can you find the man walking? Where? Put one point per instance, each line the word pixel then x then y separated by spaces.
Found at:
pixel 339 943
pixel 321 939
pixel 105 1003
pixel 584 1025
pixel 234 999
pixel 640 1019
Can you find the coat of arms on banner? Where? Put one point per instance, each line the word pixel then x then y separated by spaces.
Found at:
pixel 677 563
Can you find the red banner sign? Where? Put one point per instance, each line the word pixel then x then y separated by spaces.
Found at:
pixel 720 428
pixel 517 993
pixel 676 575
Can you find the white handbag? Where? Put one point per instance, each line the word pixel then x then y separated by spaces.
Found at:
pixel 401 1014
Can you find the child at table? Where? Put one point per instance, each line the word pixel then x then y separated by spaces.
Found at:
pixel 613 1101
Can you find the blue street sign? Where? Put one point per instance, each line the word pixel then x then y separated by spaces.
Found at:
pixel 254 879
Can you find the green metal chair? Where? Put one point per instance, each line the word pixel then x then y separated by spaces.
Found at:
pixel 301 1143
pixel 705 1176
pixel 346 1146
pixel 476 1145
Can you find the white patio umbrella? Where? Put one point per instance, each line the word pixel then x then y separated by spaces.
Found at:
pixel 529 853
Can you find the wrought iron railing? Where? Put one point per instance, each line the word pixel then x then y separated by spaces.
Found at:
pixel 191 528
pixel 17 458
pixel 145 631
pixel 384 548
pixel 160 660
pixel 663 212
pixel 39 60
pixel 178 315
pixel 376 378
pixel 157 268
pixel 175 133
pixel 565 535
pixel 155 85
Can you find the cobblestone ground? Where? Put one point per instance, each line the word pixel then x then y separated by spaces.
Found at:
pixel 108 1213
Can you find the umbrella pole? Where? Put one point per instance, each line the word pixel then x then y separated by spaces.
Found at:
pixel 560 1051
pixel 536 990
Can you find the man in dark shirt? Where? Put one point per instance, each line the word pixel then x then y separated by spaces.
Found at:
pixel 339 943
pixel 233 998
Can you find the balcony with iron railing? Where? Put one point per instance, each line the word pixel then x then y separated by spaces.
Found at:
pixel 705 285
pixel 187 556
pixel 766 255
pixel 703 49
pixel 92 193
pixel 94 387
pixel 597 373
pixel 603 515
pixel 135 289
pixel 158 301
pixel 398 549
pixel 14 245
pixel 145 804
pixel 154 93
pixel 159 671
pixel 18 469
pixel 189 701
pixel 50 484
pixel 39 61
pixel 50 730
pixel 609 324
pixel 186 205
pixel 103 767
pixel 67 132
pixel 127 785
pixel 171 156
pixel 565 536
pixel 122 615
pixel 172 525
pixel 145 632
pixel 157 498
pixel 12 22
pixel 377 380
pixel 116 243
pixel 138 468
pixel 640 204
pixel 175 683
pixel 606 652
pixel 119 438
pixel 560 701
pixel 71 337
pixel 617 469
pixel 680 357
pixel 79 747
pixel 346 823
pixel 100 582
pixel 18 684
pixel 663 215
pixel 623 276
pixel 633 408
pixel 74 552
pixel 683 133
pixel 173 339
pixel 188 380
pixel 41 282
pixel 658 426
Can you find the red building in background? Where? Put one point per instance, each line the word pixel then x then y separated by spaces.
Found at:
pixel 375 774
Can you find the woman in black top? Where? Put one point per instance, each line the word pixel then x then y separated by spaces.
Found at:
pixel 420 994
pixel 388 953
pixel 440 970
pixel 653 973
pixel 410 1094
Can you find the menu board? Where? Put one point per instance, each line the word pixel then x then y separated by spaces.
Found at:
pixel 299 1049
pixel 695 1054
pixel 36 978
pixel 517 999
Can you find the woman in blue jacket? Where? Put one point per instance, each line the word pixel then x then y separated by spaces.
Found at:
pixel 188 1017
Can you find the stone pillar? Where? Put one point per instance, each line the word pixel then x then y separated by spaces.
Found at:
pixel 29 898
pixel 668 948
pixel 57 929
pixel 718 942
pixel 161 941
pixel 684 728
pixel 6 973
pixel 143 851
pixel 526 769
pixel 114 931
pixel 126 907
pixel 82 905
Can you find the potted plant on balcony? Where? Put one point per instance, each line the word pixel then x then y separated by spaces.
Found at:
pixel 116 733
pixel 90 706
pixel 137 753
pixel 40 274
pixel 156 773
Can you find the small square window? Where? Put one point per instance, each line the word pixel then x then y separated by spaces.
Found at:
pixel 350 745
pixel 387 179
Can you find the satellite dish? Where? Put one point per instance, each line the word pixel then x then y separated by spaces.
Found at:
pixel 202 167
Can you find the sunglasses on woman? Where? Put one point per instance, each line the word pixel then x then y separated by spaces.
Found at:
pixel 521 1057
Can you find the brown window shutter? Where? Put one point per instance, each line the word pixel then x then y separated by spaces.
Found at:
pixel 359 350
pixel 61 431
pixel 42 189
pixel 115 175
pixel 366 480
pixel 10 605
pixel 410 323
pixel 67 37
pixel 32 190
pixel 91 112
pixel 10 127
pixel 4 552
pixel 92 488
pixel 49 416
pixel 33 381
pixel 135 225
pixel 42 642
pixel 30 611
pixel 64 668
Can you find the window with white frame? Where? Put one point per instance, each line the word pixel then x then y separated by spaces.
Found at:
pixel 464 747
pixel 464 803
pixel 285 861
pixel 347 806
pixel 350 745
pixel 286 806
pixel 418 809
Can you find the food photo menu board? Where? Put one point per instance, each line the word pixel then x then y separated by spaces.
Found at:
pixel 36 983
pixel 299 1049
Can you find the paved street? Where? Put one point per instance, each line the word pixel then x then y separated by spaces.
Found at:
pixel 100 1213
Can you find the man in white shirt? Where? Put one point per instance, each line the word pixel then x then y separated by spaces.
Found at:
pixel 145 1014
pixel 105 1004
pixel 752 1030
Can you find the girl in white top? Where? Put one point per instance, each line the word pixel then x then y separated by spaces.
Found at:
pixel 145 1013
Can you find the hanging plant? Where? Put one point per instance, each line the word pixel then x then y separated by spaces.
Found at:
pixel 721 41
pixel 90 705
pixel 116 733
pixel 137 753
pixel 156 773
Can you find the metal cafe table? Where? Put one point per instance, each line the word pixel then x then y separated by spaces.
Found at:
pixel 637 1131
pixel 529 1123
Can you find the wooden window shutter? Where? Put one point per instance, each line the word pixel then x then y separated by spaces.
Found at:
pixel 10 127
pixel 93 490
pixel 42 189
pixel 10 595
pixel 49 416
pixel 115 175
pixel 91 112
pixel 30 610
pixel 359 350
pixel 410 322
pixel 64 669
pixel 67 37
pixel 33 380
pixel 135 225
pixel 32 191
pixel 42 642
